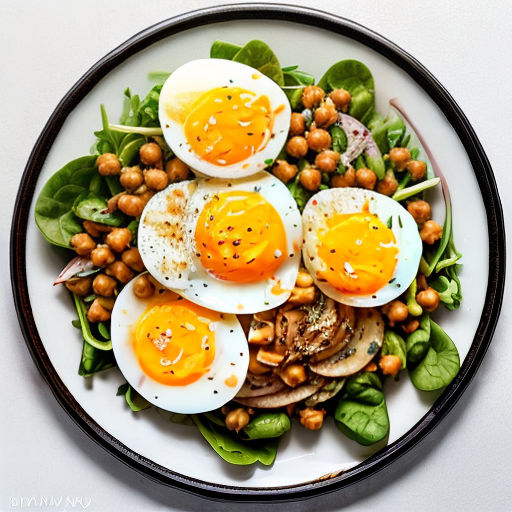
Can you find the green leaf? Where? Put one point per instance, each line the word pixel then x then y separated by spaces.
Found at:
pixel 134 230
pixel 418 342
pixel 86 329
pixel 410 296
pixel 339 139
pixel 266 426
pixel 294 83
pixel 394 345
pixel 174 417
pixel 94 360
pixel 258 55
pixel 387 131
pixel 405 193
pixel 224 50
pixel 135 401
pixel 89 206
pixel 299 193
pixel 130 149
pixel 103 330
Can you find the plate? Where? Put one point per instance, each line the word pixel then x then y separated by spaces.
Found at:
pixel 308 463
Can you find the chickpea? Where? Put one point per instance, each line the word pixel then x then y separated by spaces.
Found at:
pixel 348 179
pixel 132 258
pixel 255 367
pixel 312 96
pixel 327 161
pixel 420 211
pixel 293 375
pixel 83 244
pixel 371 367
pixel 388 185
pixel 341 99
pixel 131 205
pixel 121 271
pixel 177 170
pixel 319 139
pixel 95 228
pixel 143 287
pixel 304 280
pixel 390 365
pixel 102 256
pixel 113 202
pixel 431 232
pixel 399 157
pixel 297 147
pixel 284 171
pixel 311 418
pixel 146 196
pixel 79 285
pixel 417 168
pixel 151 154
pixel 108 164
pixel 97 313
pixel 104 285
pixel 119 239
pixel 302 295
pixel 366 178
pixel 326 115
pixel 428 299
pixel 411 326
pixel 237 419
pixel 396 311
pixel 156 179
pixel 310 178
pixel 132 179
pixel 297 124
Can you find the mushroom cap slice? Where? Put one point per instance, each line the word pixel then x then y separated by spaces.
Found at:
pixel 364 343
pixel 273 386
pixel 282 398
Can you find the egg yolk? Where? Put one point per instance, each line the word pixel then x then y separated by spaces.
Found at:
pixel 240 237
pixel 174 341
pixel 227 125
pixel 359 251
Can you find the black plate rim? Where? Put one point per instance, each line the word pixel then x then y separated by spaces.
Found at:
pixel 484 176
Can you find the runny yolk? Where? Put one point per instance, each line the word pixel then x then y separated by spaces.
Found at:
pixel 228 124
pixel 359 251
pixel 240 237
pixel 174 341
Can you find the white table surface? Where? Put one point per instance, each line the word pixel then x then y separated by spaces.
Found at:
pixel 464 464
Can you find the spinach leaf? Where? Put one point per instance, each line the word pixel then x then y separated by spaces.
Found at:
pixel 134 230
pixel 94 360
pixel 175 417
pixel 224 50
pixel 53 211
pixel 294 83
pixel 135 401
pixel 232 449
pixel 441 363
pixel 339 139
pixel 448 288
pixel 387 132
pixel 258 55
pixel 357 79
pixel 89 206
pixel 299 193
pixel 394 345
pixel 89 338
pixel 266 426
pixel 361 414
pixel 418 342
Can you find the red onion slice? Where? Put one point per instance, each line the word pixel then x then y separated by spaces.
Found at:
pixel 75 266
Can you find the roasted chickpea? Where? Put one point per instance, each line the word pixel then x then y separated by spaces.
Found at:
pixel 132 258
pixel 79 285
pixel 297 124
pixel 108 164
pixel 83 244
pixel 284 171
pixel 420 211
pixel 319 139
pixel 417 168
pixel 297 147
pixel 396 311
pixel 327 161
pixel 151 154
pixel 312 96
pixel 293 375
pixel 388 185
pixel 302 296
pixel 97 313
pixel 95 228
pixel 121 271
pixel 311 418
pixel 119 239
pixel 146 196
pixel 177 170
pixel 104 285
pixel 390 365
pixel 131 179
pixel 310 178
pixel 326 115
pixel 156 179
pixel 102 256
pixel 143 287
pixel 366 178
pixel 237 419
pixel 399 157
pixel 348 179
pixel 428 299
pixel 304 280
pixel 411 326
pixel 341 99
pixel 255 367
pixel 431 232
pixel 371 367
pixel 131 205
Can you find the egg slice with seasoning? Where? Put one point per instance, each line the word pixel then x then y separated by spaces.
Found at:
pixel 178 355
pixel 223 118
pixel 231 246
pixel 361 247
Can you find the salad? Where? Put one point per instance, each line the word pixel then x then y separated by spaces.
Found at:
pixel 255 250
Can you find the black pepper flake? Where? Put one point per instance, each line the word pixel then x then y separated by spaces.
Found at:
pixel 374 296
pixel 250 134
pixel 216 197
pixel 160 291
pixel 235 256
pixel 215 392
pixel 211 217
pixel 172 371
pixel 230 184
pixel 198 138
pixel 241 354
pixel 332 270
pixel 231 330
pixel 250 261
pixel 229 97
pixel 204 245
pixel 221 242
pixel 210 378
pixel 207 347
pixel 230 228
pixel 166 278
pixel 249 229
pixel 205 285
pixel 398 285
pixel 292 255
pixel 198 254
pixel 156 397
pixel 233 364
pixel 392 280
pixel 375 227
pixel 236 243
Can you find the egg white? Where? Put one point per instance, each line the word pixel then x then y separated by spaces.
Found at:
pixel 326 203
pixel 167 246
pixel 210 391
pixel 204 75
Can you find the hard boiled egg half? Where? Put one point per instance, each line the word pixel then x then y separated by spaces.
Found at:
pixel 178 355
pixel 228 245
pixel 362 248
pixel 223 118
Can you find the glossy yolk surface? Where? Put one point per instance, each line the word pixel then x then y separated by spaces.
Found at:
pixel 227 125
pixel 359 251
pixel 175 341
pixel 240 237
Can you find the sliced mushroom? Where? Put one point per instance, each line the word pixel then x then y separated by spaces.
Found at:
pixel 262 328
pixel 282 398
pixel 273 385
pixel 326 392
pixel 361 349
